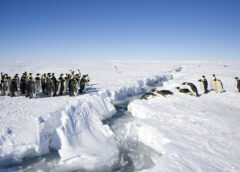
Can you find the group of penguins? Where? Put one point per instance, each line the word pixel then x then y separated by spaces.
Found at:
pixel 47 83
pixel 191 89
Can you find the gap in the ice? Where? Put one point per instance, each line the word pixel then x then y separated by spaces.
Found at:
pixel 133 155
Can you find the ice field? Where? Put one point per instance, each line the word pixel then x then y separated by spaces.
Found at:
pixel 110 129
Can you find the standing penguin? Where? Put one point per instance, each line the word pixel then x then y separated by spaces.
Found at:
pixel 23 83
pixel 219 86
pixel 58 87
pixel 31 88
pixel 17 79
pixel 83 83
pixel 51 87
pixel 192 88
pixel 213 82
pixel 38 82
pixel 73 91
pixel 237 83
pixel 44 83
pixel 13 87
pixel 1 82
pixel 203 85
pixel 6 86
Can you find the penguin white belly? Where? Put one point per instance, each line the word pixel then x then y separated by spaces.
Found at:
pixel 213 84
pixel 202 87
pixel 219 87
pixel 191 91
pixel 37 85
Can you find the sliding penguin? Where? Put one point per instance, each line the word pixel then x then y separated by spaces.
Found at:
pixel 219 86
pixel 237 83
pixel 162 92
pixel 148 96
pixel 192 88
pixel 213 82
pixel 184 91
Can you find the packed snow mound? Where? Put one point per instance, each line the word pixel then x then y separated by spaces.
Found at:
pixel 72 125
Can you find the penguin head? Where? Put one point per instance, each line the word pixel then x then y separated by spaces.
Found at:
pixel 154 90
pixel 213 75
pixel 178 88
pixel 38 74
pixel 199 80
pixel 215 79
pixel 185 83
pixel 203 77
pixel 236 78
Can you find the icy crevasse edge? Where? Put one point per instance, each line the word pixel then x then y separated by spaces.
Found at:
pixel 77 131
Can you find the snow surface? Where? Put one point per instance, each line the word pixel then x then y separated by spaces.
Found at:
pixel 191 133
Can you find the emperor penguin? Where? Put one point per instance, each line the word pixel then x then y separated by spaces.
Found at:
pixel 51 87
pixel 44 83
pixel 184 91
pixel 148 96
pixel 13 87
pixel 28 86
pixel 73 90
pixel 219 86
pixel 58 87
pixel 192 88
pixel 237 83
pixel 213 82
pixel 31 88
pixel 203 86
pixel 17 79
pixel 162 92
pixel 1 74
pixel 83 83
pixel 9 80
pixel 65 84
pixel 38 82
pixel 23 83
pixel 6 86
pixel 205 83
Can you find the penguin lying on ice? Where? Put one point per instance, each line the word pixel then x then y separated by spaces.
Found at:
pixel 162 92
pixel 192 88
pixel 184 91
pixel 147 96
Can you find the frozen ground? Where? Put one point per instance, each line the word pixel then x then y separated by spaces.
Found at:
pixel 190 134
